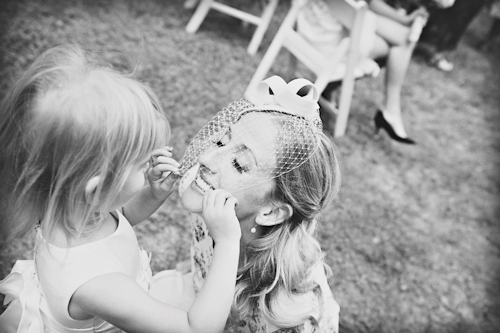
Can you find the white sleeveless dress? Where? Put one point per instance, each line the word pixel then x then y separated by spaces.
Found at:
pixel 38 291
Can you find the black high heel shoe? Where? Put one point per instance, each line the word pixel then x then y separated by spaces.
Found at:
pixel 380 122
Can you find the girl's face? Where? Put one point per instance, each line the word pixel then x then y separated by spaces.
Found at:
pixel 237 162
pixel 133 184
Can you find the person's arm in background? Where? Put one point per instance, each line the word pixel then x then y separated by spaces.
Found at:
pixel 381 8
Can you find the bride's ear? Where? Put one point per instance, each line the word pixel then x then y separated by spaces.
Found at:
pixel 91 187
pixel 272 215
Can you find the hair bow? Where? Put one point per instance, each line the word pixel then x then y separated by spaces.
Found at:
pixel 275 94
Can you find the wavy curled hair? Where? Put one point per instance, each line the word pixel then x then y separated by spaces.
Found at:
pixel 68 118
pixel 280 261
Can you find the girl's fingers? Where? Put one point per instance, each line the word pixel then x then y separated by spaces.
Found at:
pixel 167 175
pixel 169 178
pixel 209 198
pixel 162 163
pixel 165 160
pixel 220 198
pixel 215 197
pixel 231 203
pixel 165 167
pixel 167 150
pixel 205 202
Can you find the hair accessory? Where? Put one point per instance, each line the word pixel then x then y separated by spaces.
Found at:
pixel 275 94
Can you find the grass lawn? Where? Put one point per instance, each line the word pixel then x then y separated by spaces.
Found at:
pixel 413 238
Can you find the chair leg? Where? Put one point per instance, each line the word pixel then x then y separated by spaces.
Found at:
pixel 263 68
pixel 262 27
pixel 346 92
pixel 293 71
pixel 344 107
pixel 199 16
pixel 349 79
pixel 273 50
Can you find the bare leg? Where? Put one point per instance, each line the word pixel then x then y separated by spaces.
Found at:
pixel 397 65
pixel 393 41
pixel 394 33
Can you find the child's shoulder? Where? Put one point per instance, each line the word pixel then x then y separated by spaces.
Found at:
pixel 68 268
pixel 59 237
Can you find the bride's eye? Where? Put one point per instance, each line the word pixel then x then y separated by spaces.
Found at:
pixel 238 166
pixel 223 141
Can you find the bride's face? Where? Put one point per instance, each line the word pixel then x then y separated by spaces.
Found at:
pixel 239 161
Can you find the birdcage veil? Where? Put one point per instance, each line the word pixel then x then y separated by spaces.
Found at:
pixel 281 126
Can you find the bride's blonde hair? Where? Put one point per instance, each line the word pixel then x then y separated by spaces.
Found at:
pixel 280 261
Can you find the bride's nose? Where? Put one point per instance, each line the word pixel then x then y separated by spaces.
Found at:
pixel 210 160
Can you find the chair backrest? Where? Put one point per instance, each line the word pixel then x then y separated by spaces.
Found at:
pixel 352 15
pixel 262 22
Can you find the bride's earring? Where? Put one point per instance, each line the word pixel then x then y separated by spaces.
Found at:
pixel 253 230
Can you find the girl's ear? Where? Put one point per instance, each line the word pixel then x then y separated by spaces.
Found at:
pixel 91 187
pixel 269 216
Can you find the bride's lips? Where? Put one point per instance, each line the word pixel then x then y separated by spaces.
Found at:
pixel 201 183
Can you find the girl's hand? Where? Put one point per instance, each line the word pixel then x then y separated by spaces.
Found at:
pixel 163 172
pixel 418 12
pixel 220 216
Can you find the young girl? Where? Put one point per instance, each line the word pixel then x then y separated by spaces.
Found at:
pixel 77 139
pixel 273 156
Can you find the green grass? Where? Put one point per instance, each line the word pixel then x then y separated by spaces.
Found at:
pixel 413 238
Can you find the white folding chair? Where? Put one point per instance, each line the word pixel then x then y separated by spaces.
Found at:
pixel 352 15
pixel 262 22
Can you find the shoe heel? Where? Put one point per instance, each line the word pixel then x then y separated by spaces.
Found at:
pixel 380 122
pixel 376 120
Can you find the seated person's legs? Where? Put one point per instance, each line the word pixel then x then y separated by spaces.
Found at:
pixel 391 31
pixel 392 41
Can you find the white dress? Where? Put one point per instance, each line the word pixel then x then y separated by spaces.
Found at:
pixel 39 291
pixel 322 30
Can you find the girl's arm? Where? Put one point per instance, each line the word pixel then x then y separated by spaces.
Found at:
pixel 162 175
pixel 119 300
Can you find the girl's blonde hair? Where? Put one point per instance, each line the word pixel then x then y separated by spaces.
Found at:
pixel 68 119
pixel 280 261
